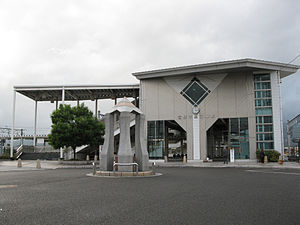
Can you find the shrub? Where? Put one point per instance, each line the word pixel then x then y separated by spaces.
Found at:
pixel 272 155
pixel 6 156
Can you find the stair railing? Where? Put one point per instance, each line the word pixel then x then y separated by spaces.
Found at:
pixel 19 151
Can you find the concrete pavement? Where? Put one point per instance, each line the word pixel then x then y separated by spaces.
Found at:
pixel 180 196
pixel 45 164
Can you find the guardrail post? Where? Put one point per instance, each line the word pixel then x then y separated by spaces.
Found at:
pixel 19 163
pixel 153 168
pixel 38 164
pixel 94 168
pixel 137 169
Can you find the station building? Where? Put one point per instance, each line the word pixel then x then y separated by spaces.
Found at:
pixel 194 110
pixel 199 109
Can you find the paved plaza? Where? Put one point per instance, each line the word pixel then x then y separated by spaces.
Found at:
pixel 179 196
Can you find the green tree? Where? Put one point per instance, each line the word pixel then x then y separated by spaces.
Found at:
pixel 74 127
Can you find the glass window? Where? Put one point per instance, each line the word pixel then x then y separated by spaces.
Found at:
pixel 155 138
pixel 155 129
pixel 265 145
pixel 264 137
pixel 234 127
pixel 264 119
pixel 261 77
pixel 239 138
pixel 195 91
pixel 263 94
pixel 244 126
pixel 263 111
pixel 155 149
pixel 262 85
pixel 264 128
pixel 263 102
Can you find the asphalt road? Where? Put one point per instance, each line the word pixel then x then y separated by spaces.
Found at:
pixel 179 196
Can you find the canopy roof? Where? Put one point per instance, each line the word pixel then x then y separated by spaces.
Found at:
pixel 221 67
pixel 82 92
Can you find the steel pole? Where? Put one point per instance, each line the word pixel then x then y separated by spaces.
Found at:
pixel 288 137
pixel 35 122
pixel 96 107
pixel 13 125
pixel 63 103
pixel 63 96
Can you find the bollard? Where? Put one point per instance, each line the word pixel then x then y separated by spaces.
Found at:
pixel 184 159
pixel 19 163
pixel 153 168
pixel 38 164
pixel 95 158
pixel 87 158
pixel 166 159
pixel 265 159
pixel 94 168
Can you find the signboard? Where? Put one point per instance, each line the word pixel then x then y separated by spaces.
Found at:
pixel 232 155
pixel 40 141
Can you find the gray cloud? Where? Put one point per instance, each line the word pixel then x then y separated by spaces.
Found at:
pixel 102 42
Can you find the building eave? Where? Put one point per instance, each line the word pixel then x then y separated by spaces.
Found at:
pixel 217 67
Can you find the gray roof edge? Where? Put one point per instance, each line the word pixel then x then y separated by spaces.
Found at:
pixel 59 87
pixel 247 62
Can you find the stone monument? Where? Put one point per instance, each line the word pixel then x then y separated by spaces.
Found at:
pixel 127 113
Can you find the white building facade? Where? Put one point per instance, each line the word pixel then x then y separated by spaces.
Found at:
pixel 198 110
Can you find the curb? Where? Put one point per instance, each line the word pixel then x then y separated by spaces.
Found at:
pixel 229 166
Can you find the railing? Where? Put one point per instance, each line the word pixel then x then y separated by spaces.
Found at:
pixel 127 164
pixel 19 151
pixel 78 149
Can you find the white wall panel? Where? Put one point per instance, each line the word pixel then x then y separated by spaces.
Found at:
pixel 277 111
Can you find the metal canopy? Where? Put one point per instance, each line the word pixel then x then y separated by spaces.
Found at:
pixel 75 93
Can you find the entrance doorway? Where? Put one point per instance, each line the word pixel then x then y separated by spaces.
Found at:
pixel 231 132
pixel 217 139
pixel 166 138
pixel 175 141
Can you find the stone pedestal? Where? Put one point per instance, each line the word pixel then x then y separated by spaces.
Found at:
pixel 107 153
pixel 125 154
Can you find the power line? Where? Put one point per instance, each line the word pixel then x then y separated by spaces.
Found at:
pixel 294 59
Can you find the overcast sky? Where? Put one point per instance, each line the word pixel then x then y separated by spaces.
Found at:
pixel 103 42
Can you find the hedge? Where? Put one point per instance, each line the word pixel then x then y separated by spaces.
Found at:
pixel 272 155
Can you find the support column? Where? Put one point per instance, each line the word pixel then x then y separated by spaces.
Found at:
pixel 63 96
pixel 141 153
pixel 107 152
pixel 125 154
pixel 166 143
pixel 22 142
pixel 135 101
pixel 77 102
pixel 63 103
pixel 56 106
pixel 35 122
pixel 96 107
pixel 13 125
pixel 116 101
pixel 196 136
